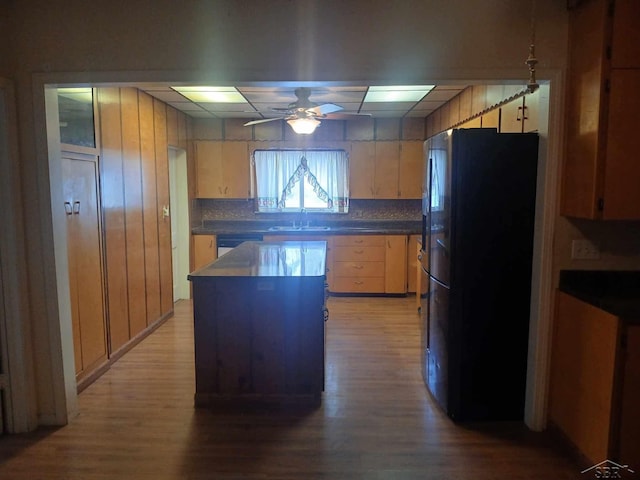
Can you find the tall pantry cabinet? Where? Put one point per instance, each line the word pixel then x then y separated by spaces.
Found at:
pixel 84 251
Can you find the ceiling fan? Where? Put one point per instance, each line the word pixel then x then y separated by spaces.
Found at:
pixel 303 115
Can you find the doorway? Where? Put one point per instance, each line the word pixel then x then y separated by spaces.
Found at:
pixel 179 214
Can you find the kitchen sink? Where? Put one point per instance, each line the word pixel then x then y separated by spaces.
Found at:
pixel 291 228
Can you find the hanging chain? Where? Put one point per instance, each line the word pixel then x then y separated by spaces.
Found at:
pixel 531 61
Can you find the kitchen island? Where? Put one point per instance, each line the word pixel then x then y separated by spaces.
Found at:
pixel 259 321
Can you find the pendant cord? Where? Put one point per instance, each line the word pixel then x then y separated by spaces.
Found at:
pixel 532 61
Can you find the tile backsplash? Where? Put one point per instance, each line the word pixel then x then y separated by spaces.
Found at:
pixel 209 209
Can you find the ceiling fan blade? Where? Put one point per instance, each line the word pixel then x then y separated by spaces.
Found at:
pixel 264 120
pixel 325 108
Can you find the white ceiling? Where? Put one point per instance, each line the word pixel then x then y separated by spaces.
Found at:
pixel 262 99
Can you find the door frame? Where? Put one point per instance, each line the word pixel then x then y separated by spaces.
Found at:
pixel 543 280
pixel 17 386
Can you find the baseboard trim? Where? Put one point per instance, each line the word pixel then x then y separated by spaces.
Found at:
pixel 100 370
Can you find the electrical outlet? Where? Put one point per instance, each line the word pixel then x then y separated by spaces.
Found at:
pixel 584 250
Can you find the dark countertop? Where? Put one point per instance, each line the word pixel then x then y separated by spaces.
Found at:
pixel 616 292
pixel 269 259
pixel 337 227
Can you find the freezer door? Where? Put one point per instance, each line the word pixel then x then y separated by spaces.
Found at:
pixel 438 348
pixel 440 175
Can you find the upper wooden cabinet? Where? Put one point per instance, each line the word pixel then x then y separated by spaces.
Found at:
pixel 222 169
pixel 386 169
pixel 601 174
pixel 520 115
pixel 411 170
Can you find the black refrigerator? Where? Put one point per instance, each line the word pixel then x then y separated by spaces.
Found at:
pixel 477 247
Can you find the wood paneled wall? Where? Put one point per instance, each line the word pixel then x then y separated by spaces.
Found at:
pixel 136 132
pixel 470 103
pixel 334 130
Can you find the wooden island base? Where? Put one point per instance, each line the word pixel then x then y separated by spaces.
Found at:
pixel 259 325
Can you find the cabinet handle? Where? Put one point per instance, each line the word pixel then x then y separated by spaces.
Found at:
pixel 67 208
pixel 211 244
pixel 522 114
pixel 358 267
pixel 357 241
pixel 358 282
pixel 76 207
pixel 388 244
pixel 358 251
pixel 220 190
pixel 225 190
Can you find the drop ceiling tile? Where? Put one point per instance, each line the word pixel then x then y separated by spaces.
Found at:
pixel 166 95
pixel 186 106
pixel 382 106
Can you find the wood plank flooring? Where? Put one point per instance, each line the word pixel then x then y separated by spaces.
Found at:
pixel 376 421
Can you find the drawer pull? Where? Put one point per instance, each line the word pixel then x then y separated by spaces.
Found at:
pixel 358 282
pixel 358 251
pixel 358 267
pixel 358 241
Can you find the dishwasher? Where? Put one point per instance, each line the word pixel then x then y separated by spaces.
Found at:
pixel 226 242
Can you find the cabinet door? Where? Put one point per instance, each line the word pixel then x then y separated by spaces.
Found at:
pixel 625 47
pixel 622 169
pixel 80 190
pixel 629 451
pixel 583 363
pixel 362 169
pixel 530 116
pixel 587 36
pixel 511 116
pixel 387 169
pixel 411 170
pixel 235 170
pixel 209 179
pixel 204 250
pixel 412 262
pixel 395 280
pixel 491 119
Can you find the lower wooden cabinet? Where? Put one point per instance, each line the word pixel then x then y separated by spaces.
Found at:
pixel 595 381
pixel 370 264
pixel 205 250
pixel 413 248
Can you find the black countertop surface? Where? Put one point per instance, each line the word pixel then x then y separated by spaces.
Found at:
pixel 337 227
pixel 269 259
pixel 616 292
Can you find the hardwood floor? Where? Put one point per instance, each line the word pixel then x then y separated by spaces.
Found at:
pixel 376 421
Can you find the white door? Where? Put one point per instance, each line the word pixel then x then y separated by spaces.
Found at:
pixel 179 205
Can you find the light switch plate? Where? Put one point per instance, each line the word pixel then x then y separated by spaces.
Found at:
pixel 584 250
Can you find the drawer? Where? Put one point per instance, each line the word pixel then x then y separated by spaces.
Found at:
pixel 358 254
pixel 358 269
pixel 359 240
pixel 358 284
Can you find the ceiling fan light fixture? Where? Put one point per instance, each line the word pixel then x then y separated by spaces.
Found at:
pixel 303 126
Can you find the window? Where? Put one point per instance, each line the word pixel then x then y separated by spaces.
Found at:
pixel 293 180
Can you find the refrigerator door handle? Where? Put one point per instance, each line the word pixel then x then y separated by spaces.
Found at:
pixel 438 282
pixel 443 245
